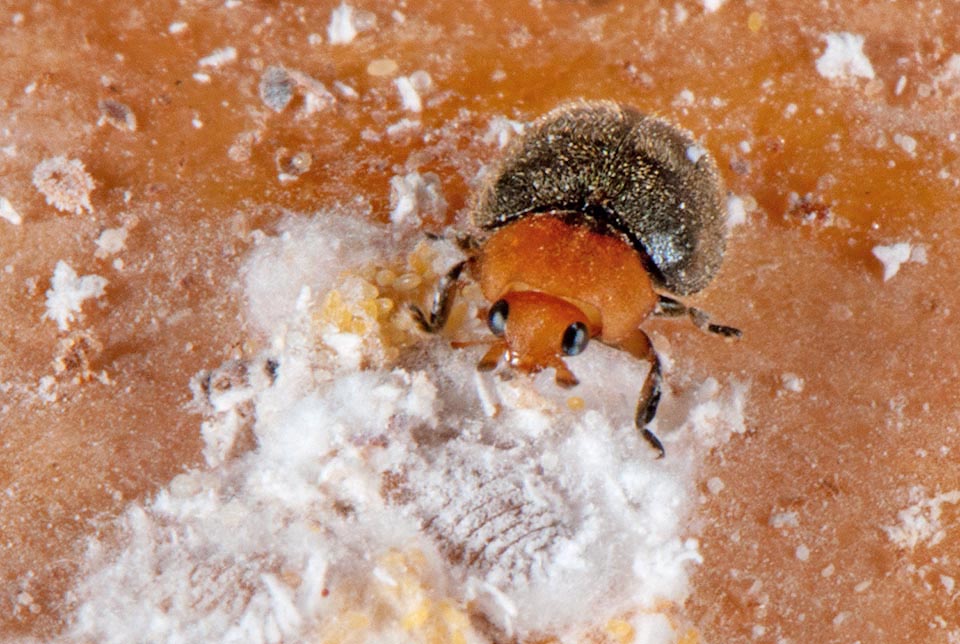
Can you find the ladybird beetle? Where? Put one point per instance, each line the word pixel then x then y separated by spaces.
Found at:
pixel 593 212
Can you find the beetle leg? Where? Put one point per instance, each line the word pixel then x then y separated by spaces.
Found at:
pixel 492 357
pixel 668 307
pixel 442 301
pixel 564 377
pixel 639 346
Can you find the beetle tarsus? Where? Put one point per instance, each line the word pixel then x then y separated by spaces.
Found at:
pixel 442 301
pixel 639 346
pixel 492 357
pixel 654 443
pixel 668 307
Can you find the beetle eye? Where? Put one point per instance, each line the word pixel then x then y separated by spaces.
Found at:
pixel 575 339
pixel 497 318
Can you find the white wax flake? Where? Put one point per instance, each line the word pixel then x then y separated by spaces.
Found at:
pixel 64 183
pixel 715 485
pixel 47 389
pixel 792 382
pixel 919 523
pixel 501 131
pixel 383 491
pixel 202 77
pixel 685 98
pixel 736 208
pixel 894 255
pixel 403 127
pixel 901 85
pixel 409 96
pixel 175 28
pixel 781 520
pixel 110 242
pixel 278 85
pixel 709 6
pixel 68 292
pixel 844 57
pixel 8 212
pixel 906 142
pixel 695 153
pixel 341 30
pixel 345 90
pixel 802 553
pixel 949 583
pixel 415 195
pixel 347 22
pixel 219 57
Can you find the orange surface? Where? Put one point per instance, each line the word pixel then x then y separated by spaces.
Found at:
pixel 876 414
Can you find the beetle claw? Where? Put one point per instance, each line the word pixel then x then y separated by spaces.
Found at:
pixel 492 357
pixel 654 443
pixel 565 377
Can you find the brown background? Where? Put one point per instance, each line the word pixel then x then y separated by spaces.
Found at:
pixel 876 417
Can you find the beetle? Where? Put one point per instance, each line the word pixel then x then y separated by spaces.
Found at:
pixel 592 221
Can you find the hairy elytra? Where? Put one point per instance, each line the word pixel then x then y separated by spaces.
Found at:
pixel 643 177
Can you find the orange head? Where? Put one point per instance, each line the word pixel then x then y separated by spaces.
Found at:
pixel 537 330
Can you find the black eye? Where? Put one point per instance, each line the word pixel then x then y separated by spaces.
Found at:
pixel 575 339
pixel 497 318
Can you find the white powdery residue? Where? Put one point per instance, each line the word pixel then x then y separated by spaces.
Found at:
pixel 341 29
pixel 844 57
pixel 792 382
pixel 403 127
pixel 219 57
pixel 715 485
pixel 781 520
pixel 347 22
pixel 47 389
pixel 415 195
pixel 901 85
pixel 408 94
pixel 919 523
pixel 110 242
pixel 502 130
pixel 316 96
pixel 345 90
pixel 695 153
pixel 894 255
pixel 716 413
pixel 278 86
pixel 906 142
pixel 538 519
pixel 64 183
pixel 736 208
pixel 68 292
pixel 685 98
pixel 8 212
pixel 304 254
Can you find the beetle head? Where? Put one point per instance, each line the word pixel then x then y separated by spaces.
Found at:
pixel 537 331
